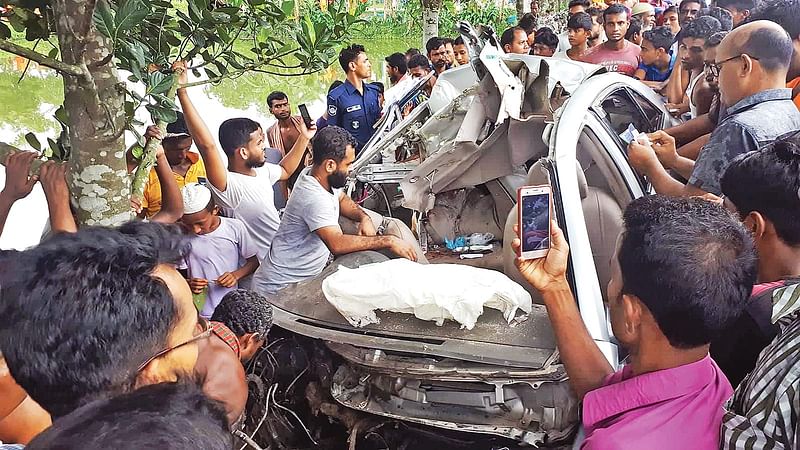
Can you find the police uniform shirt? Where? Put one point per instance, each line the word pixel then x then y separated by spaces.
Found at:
pixel 354 112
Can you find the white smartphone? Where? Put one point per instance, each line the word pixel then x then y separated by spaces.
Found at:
pixel 534 203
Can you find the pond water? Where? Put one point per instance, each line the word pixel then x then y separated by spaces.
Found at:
pixel 28 106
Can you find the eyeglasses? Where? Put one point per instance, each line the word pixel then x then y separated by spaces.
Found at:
pixel 715 67
pixel 205 331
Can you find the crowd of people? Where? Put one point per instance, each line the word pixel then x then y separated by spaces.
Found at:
pixel 109 331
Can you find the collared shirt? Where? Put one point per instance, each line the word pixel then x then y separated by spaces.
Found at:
pixel 353 111
pixel 763 413
pixel 750 124
pixel 151 200
pixel 678 408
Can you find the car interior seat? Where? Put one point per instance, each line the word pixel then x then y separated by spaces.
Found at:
pixel 603 217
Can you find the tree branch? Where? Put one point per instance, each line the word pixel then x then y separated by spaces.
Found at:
pixel 6 149
pixel 43 60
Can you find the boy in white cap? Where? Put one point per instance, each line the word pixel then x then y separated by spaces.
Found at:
pixel 222 250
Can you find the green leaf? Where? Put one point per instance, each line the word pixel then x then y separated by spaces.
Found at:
pixel 104 19
pixel 165 102
pixel 55 150
pixel 137 150
pixel 61 115
pixel 158 83
pixel 131 13
pixel 164 114
pixel 33 141
pixel 53 53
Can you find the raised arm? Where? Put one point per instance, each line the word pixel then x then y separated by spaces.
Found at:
pixel 171 200
pixel 583 360
pixel 19 182
pixel 54 184
pixel 215 168
pixel 294 158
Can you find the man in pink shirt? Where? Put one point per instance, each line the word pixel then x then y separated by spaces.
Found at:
pixel 616 54
pixel 683 271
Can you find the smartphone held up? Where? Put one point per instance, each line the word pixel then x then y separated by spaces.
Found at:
pixel 534 203
pixel 304 114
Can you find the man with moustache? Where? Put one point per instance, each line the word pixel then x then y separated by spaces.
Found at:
pixel 310 232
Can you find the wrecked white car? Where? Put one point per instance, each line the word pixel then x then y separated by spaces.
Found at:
pixel 455 162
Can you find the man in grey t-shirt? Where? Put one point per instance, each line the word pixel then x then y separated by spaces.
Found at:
pixel 309 230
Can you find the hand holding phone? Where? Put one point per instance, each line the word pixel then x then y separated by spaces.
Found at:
pixel 534 204
pixel 304 114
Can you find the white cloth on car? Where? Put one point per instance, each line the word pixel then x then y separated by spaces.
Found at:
pixel 431 292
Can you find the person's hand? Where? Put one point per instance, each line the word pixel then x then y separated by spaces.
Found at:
pixel 402 248
pixel 153 132
pixel 366 227
pixel 642 156
pixel 136 206
pixel 308 132
pixel 709 197
pixel 180 68
pixel 19 181
pixel 664 146
pixel 674 109
pixel 550 272
pixel 53 177
pixel 197 285
pixel 228 280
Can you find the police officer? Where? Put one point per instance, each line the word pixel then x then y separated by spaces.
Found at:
pixel 354 105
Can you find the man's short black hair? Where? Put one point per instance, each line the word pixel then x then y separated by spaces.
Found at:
pixel 722 15
pixel 546 36
pixel 741 5
pixel 350 54
pixel 615 9
pixel 331 143
pixel 768 181
pixel 173 416
pixel 411 52
pixel 701 27
pixel 244 312
pixel 528 23
pixel 584 3
pixel 419 61
pixel 433 43
pixel 459 41
pixel 660 37
pixel 595 12
pixel 785 13
pixel 507 38
pixel 715 39
pixel 276 95
pixel 82 311
pixel 690 261
pixel 235 133
pixel 398 61
pixel 634 28
pixel 447 40
pixel 773 48
pixel 379 85
pixel 671 10
pixel 579 21
pixel 686 2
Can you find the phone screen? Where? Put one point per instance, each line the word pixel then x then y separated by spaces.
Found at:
pixel 535 222
pixel 304 114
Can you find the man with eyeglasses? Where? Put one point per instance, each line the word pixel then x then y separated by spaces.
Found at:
pixel 751 65
pixel 96 313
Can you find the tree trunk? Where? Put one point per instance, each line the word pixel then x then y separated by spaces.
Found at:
pixel 523 6
pixel 430 20
pixel 94 103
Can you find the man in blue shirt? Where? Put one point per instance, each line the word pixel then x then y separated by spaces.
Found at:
pixel 354 105
pixel 657 60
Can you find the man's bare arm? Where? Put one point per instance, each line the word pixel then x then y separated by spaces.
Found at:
pixel 341 244
pixel 215 168
pixel 171 199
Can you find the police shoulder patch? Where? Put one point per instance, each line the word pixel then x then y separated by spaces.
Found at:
pixel 332 110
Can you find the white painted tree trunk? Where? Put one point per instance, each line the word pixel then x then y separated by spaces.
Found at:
pixel 430 20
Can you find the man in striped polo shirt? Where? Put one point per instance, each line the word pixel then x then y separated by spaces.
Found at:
pixel 763 413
